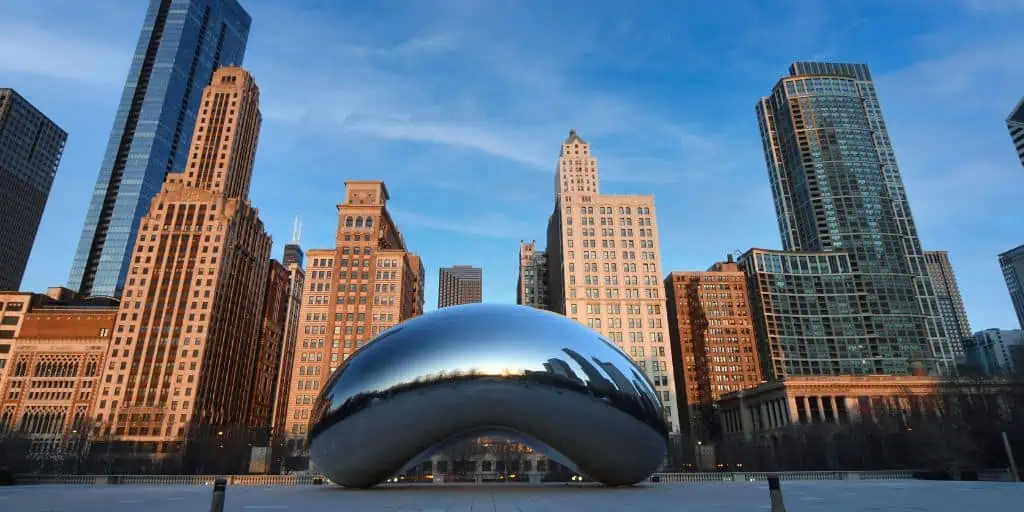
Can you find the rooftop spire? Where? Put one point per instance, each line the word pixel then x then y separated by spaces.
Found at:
pixel 296 230
pixel 573 137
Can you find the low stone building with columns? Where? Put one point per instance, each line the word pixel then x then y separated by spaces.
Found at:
pixel 800 401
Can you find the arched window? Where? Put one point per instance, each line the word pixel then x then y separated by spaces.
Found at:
pixel 369 222
pixel 359 222
pixel 348 222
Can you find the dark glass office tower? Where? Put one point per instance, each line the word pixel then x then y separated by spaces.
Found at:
pixel 1015 124
pixel 182 43
pixel 30 149
pixel 837 188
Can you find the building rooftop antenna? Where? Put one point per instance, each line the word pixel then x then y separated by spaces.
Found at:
pixel 296 230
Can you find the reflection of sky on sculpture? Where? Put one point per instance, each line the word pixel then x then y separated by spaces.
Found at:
pixel 459 349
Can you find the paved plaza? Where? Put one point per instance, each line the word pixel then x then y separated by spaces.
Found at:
pixel 888 496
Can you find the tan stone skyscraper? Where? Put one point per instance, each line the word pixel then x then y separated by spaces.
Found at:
pixel 367 283
pixel 604 266
pixel 182 362
pixel 714 350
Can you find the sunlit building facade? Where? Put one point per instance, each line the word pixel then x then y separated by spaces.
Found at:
pixel 714 350
pixel 53 351
pixel 604 266
pixel 183 360
pixel 367 283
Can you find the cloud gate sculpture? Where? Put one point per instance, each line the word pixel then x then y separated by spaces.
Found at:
pixel 457 372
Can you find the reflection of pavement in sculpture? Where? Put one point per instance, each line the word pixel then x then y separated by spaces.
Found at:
pixel 456 372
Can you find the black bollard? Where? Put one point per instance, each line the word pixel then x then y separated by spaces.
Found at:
pixel 217 505
pixel 775 491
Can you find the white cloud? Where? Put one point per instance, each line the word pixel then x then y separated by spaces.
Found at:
pixel 25 48
pixel 488 224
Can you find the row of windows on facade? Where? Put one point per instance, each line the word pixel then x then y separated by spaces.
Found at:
pixel 358 222
pixel 614 280
pixel 631 309
pixel 634 336
pixel 610 244
pixel 613 293
pixel 378 300
pixel 610 232
pixel 613 267
pixel 353 288
pixel 608 210
pixel 365 275
pixel 611 255
pixel 609 221
pixel 631 323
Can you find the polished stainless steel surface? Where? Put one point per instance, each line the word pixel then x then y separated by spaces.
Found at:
pixel 461 371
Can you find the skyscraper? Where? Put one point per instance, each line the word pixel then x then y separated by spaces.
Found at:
pixel 459 284
pixel 531 288
pixel 181 44
pixel 951 304
pixel 30 149
pixel 1012 264
pixel 293 261
pixel 1015 124
pixel 368 282
pixel 604 264
pixel 837 189
pixel 183 358
pixel 270 349
pixel 714 351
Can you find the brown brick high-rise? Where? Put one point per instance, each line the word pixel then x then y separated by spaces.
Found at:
pixel 367 283
pixel 714 350
pixel 182 360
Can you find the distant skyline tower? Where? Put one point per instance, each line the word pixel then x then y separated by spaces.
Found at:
pixel 1015 124
pixel 532 286
pixel 951 304
pixel 459 284
pixel 187 339
pixel 181 44
pixel 292 250
pixel 604 266
pixel 31 146
pixel 837 188
pixel 1012 264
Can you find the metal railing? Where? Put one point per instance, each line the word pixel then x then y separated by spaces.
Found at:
pixel 998 475
pixel 762 476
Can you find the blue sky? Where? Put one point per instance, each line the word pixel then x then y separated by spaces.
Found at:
pixel 460 107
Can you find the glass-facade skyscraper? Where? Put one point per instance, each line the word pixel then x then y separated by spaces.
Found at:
pixel 31 146
pixel 1012 264
pixel 837 189
pixel 182 43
